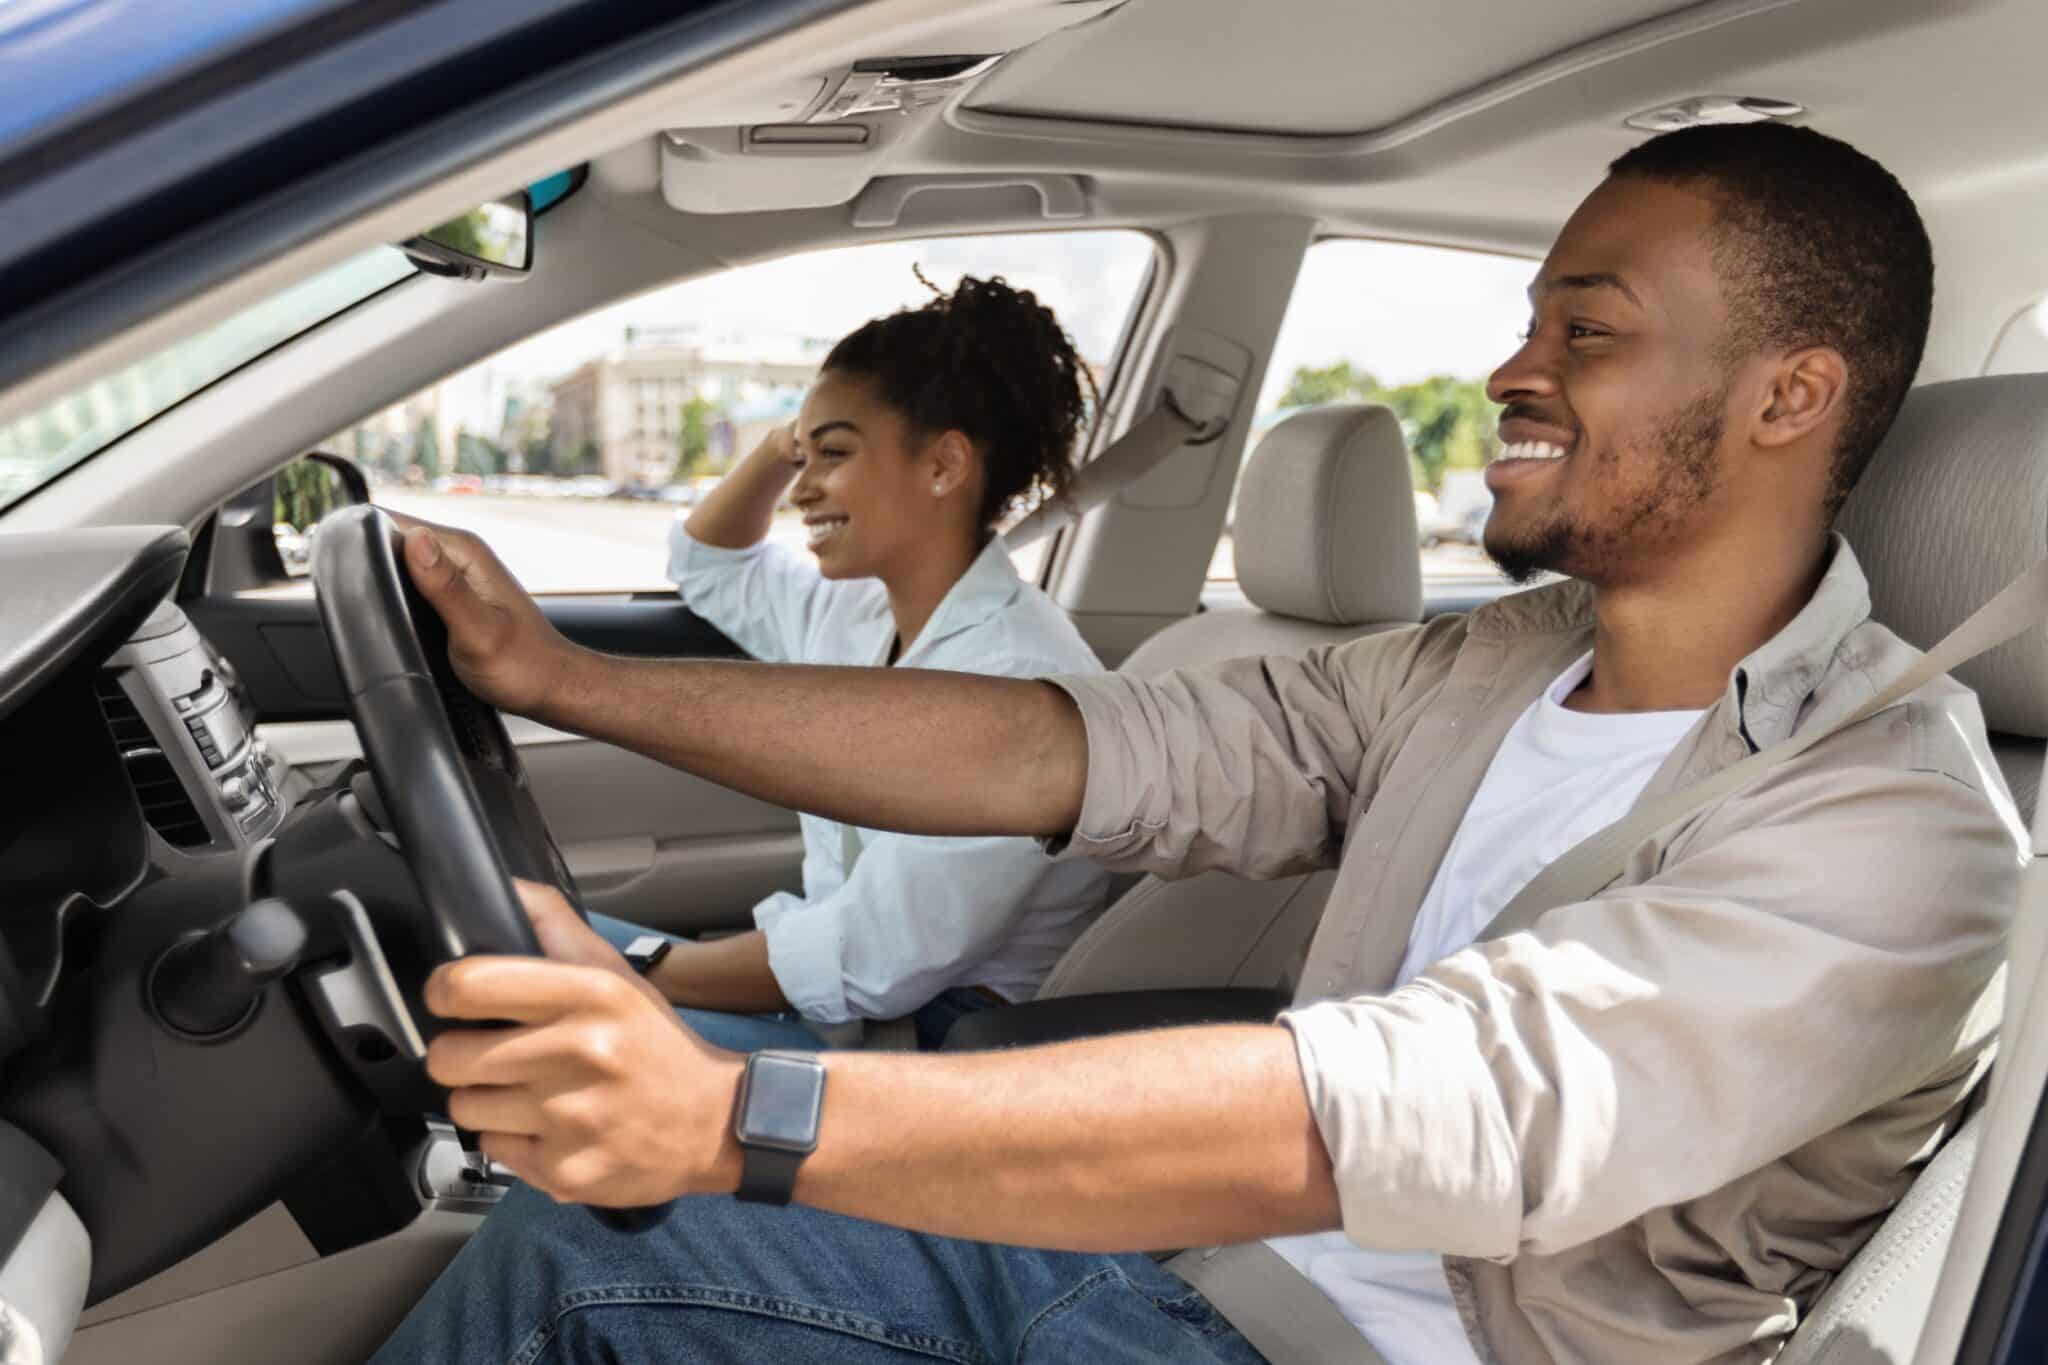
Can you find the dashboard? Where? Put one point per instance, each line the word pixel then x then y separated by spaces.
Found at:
pixel 130 759
pixel 158 1086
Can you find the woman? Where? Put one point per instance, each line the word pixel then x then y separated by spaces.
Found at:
pixel 923 430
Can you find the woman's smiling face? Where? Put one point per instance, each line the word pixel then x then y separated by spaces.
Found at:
pixel 870 491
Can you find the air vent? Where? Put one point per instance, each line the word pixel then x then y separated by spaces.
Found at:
pixel 162 795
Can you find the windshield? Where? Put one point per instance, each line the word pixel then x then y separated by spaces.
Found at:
pixel 39 447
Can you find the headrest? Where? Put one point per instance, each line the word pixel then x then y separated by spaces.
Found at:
pixel 1326 519
pixel 1953 507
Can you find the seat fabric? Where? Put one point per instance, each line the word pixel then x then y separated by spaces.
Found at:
pixel 1326 552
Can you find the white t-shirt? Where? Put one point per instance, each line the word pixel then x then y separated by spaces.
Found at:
pixel 1559 776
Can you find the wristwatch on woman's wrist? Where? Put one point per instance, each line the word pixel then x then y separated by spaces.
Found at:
pixel 647 951
pixel 775 1121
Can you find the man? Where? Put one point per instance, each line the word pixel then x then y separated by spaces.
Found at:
pixel 1649 1128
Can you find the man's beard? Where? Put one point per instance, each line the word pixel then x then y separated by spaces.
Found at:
pixel 1686 475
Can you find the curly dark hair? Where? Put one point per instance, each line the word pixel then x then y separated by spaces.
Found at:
pixel 993 363
pixel 1819 246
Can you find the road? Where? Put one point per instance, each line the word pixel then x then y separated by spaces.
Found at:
pixel 610 545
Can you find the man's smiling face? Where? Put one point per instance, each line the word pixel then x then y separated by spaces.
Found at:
pixel 1615 405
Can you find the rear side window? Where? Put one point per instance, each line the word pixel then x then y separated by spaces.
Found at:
pixel 1419 329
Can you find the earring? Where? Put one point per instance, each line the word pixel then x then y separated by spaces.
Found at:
pixel 938 490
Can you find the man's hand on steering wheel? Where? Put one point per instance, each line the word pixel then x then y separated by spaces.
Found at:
pixel 500 644
pixel 598 1094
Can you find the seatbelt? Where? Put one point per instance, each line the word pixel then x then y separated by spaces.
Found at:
pixel 1273 1306
pixel 1593 864
pixel 1122 463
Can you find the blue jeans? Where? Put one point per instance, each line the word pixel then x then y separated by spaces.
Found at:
pixel 753 1032
pixel 717 1280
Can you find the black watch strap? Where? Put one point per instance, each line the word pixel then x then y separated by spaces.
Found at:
pixel 767 1176
pixel 775 1121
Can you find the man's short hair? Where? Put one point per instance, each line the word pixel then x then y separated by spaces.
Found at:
pixel 1820 246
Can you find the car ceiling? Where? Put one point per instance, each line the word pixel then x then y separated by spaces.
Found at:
pixel 1290 70
pixel 1477 122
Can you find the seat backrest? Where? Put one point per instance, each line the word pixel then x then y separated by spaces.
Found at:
pixel 1326 549
pixel 1953 507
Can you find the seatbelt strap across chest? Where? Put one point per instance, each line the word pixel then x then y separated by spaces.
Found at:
pixel 1592 865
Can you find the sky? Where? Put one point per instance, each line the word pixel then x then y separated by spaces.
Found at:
pixel 1401 312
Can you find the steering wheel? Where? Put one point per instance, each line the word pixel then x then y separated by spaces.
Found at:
pixel 450 780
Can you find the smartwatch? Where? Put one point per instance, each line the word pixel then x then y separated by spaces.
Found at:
pixel 776 1122
pixel 647 951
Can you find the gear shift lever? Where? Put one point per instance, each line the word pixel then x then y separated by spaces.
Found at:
pixel 203 986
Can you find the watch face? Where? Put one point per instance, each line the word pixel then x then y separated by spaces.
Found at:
pixel 646 950
pixel 784 1094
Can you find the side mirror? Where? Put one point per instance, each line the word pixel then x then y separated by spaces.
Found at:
pixel 491 239
pixel 263 536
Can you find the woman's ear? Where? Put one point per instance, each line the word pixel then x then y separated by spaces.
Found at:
pixel 950 457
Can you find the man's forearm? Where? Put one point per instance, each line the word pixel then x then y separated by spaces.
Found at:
pixel 1147 1141
pixel 916 750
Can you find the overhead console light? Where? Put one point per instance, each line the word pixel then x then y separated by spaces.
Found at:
pixel 1702 110
pixel 881 85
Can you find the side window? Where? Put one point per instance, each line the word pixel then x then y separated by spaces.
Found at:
pixel 573 451
pixel 1419 329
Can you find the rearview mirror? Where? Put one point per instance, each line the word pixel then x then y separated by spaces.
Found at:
pixel 491 239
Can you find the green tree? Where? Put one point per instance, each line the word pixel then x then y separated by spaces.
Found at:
pixel 304 493
pixel 1330 384
pixel 1449 422
pixel 475 455
pixel 540 455
pixel 694 446
pixel 466 234
pixel 426 449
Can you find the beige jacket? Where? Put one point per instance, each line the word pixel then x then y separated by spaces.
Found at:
pixel 1652 1128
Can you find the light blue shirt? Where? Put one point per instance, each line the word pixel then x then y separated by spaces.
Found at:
pixel 912 917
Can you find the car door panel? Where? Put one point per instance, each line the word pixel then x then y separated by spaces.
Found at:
pixel 647 842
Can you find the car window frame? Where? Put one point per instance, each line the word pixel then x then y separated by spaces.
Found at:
pixel 1136 325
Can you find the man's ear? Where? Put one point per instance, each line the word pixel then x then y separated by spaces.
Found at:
pixel 951 459
pixel 1806 391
